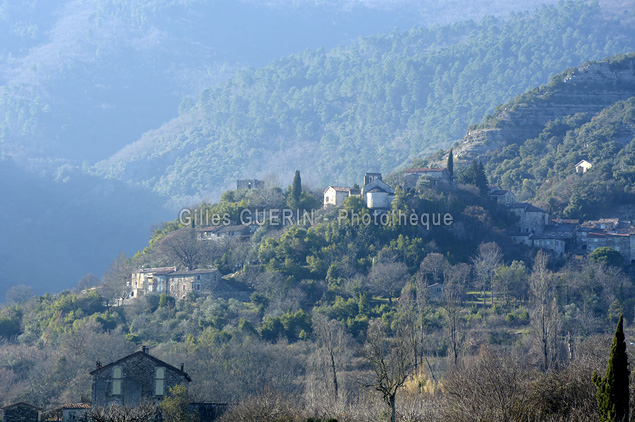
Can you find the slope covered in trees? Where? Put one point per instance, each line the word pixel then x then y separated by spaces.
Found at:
pixel 77 78
pixel 371 105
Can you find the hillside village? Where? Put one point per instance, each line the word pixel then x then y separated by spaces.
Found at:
pixel 534 227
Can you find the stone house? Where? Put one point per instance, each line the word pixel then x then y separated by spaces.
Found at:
pixel 548 242
pixel 21 412
pixel 531 219
pixel 335 195
pixel 250 184
pixel 135 379
pixel 180 283
pixel 149 280
pixel 624 243
pixel 412 176
pixel 583 166
pixel 172 281
pixel 73 412
pixel 502 196
pixel 613 233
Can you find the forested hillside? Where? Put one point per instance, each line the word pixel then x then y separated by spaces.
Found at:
pixel 371 105
pixel 81 79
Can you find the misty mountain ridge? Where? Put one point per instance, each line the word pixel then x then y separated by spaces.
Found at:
pixel 373 105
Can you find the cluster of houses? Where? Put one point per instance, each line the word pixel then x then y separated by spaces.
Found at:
pixel 138 378
pixel 534 226
pixel 377 194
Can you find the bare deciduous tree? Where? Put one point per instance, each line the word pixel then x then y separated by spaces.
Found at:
pixel 456 279
pixel 489 258
pixel 182 246
pixel 332 340
pixel 388 278
pixel 18 294
pixel 116 280
pixel 545 319
pixel 489 388
pixel 390 361
pixel 433 265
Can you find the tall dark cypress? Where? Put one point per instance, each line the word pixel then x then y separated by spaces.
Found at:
pixel 296 189
pixel 451 164
pixel 612 389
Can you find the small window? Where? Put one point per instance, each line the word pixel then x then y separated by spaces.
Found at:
pixel 198 277
pixel 198 287
pixel 159 381
pixel 116 381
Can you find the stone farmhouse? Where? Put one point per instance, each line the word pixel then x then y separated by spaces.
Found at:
pixel 434 175
pixel 335 195
pixel 172 281
pixel 21 412
pixel 134 379
pixel 141 377
pixel 608 232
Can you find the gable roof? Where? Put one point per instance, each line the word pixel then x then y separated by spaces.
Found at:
pixel 194 272
pixel 500 192
pixel 582 162
pixel 76 406
pixel 527 207
pixel 156 270
pixel 378 184
pixel 146 355
pixel 20 403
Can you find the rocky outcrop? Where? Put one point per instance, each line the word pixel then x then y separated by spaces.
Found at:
pixel 587 89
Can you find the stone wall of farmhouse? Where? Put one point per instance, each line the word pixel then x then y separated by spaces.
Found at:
pixel 138 382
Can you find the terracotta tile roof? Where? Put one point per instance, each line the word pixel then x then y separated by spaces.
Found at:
pixel 76 406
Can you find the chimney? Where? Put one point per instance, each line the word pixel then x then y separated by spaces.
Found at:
pixel 98 365
pixel 182 367
pixel 143 349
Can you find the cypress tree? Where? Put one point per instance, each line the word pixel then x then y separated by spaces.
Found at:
pixel 296 189
pixel 451 164
pixel 612 389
